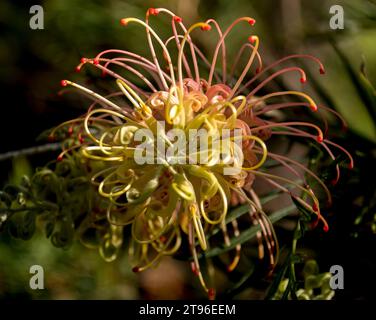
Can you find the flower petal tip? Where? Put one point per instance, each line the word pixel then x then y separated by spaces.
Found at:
pixel 153 11
pixel 211 294
pixel 252 21
pixel 206 27
pixel 124 21
pixel 313 107
pixel 136 269
pixel 252 39
pixel 178 19
pixel 334 182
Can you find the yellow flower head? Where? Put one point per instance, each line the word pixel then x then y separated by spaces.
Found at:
pixel 174 153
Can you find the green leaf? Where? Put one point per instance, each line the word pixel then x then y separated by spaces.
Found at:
pixel 28 227
pixel 62 236
pixel 363 121
pixel 243 280
pixel 21 167
pixel 243 209
pixel 369 92
pixel 49 228
pixel 277 280
pixel 248 234
pixel 306 213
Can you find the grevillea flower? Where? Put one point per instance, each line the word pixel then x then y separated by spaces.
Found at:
pixel 168 202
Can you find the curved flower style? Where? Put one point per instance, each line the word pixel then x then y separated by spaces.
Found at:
pixel 168 200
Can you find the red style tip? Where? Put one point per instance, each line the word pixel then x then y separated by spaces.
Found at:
pixel 351 165
pixel 303 80
pixel 315 207
pixel 153 11
pixel 252 39
pixel 78 69
pixel 325 228
pixel 320 139
pixel 334 182
pixel 63 83
pixel 136 269
pixel 313 107
pixel 51 138
pixel 59 158
pixel 124 22
pixel 96 61
pixel 83 60
pixel 206 27
pixel 322 71
pixel 194 269
pixel 70 130
pixel 177 19
pixel 252 21
pixel 211 294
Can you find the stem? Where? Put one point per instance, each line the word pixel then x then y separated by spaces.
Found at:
pixel 30 151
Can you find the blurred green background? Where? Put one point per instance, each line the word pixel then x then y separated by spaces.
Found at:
pixel 32 63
